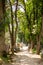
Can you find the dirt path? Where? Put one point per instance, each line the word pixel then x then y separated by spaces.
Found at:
pixel 25 58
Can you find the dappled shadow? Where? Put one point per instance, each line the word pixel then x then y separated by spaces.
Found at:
pixel 25 58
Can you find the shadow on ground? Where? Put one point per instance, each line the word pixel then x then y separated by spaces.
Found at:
pixel 25 58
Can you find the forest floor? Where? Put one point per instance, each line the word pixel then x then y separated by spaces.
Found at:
pixel 25 58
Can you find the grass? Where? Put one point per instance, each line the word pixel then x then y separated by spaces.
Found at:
pixel 5 59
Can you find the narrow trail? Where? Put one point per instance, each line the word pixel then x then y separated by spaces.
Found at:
pixel 26 58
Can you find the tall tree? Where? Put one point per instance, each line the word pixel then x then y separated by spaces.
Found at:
pixel 2 26
pixel 13 33
pixel 28 17
pixel 16 19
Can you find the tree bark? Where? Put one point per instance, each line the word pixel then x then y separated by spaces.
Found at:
pixel 38 44
pixel 12 34
pixel 16 19
pixel 42 26
pixel 2 27
pixel 29 23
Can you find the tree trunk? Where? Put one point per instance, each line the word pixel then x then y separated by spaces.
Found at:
pixel 29 23
pixel 32 44
pixel 42 26
pixel 12 32
pixel 39 37
pixel 2 28
pixel 12 35
pixel 38 44
pixel 16 19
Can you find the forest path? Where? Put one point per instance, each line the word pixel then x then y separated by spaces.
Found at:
pixel 25 58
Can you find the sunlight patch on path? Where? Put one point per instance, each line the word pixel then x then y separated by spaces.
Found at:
pixel 26 53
